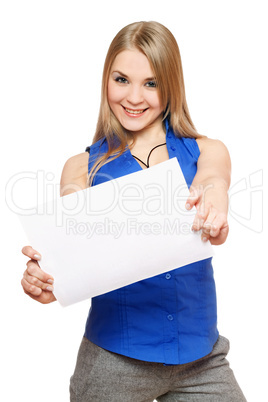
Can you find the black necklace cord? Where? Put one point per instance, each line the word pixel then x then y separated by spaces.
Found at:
pixel 147 164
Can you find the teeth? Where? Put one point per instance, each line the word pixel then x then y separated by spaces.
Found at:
pixel 134 111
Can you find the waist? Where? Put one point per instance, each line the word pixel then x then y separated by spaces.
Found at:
pixel 170 318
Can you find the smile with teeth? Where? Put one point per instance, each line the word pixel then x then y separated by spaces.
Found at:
pixel 131 111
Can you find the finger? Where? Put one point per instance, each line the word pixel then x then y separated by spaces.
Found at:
pixel 205 221
pixel 222 236
pixel 204 208
pixel 198 222
pixel 219 223
pixel 33 269
pixel 32 280
pixel 218 229
pixel 31 253
pixel 194 196
pixel 208 225
pixel 30 289
pixel 205 237
pixel 201 216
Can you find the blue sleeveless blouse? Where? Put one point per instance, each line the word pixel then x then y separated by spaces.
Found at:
pixel 170 318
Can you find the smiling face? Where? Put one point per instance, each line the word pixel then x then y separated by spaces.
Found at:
pixel 132 92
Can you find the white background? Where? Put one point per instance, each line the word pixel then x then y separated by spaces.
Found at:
pixel 52 54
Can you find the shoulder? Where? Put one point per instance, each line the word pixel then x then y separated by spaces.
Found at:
pixel 214 156
pixel 74 174
pixel 206 144
pixel 98 146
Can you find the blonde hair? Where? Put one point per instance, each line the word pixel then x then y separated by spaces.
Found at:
pixel 158 44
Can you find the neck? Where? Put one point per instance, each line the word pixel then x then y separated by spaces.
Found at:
pixel 151 135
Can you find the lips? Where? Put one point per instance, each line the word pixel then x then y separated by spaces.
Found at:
pixel 134 112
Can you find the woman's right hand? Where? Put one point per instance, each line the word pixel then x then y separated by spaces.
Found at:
pixel 36 283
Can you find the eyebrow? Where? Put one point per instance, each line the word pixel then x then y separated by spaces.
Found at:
pixel 124 75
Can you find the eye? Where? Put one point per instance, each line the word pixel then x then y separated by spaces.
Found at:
pixel 151 84
pixel 121 80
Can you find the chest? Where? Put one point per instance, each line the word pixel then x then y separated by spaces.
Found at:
pixel 148 156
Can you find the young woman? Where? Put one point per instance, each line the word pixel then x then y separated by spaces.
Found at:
pixel 157 338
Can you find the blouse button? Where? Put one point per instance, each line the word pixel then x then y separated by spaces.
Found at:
pixel 170 317
pixel 168 276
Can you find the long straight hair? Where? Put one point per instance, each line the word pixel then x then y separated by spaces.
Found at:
pixel 158 44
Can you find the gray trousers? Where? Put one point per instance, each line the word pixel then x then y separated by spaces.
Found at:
pixel 102 376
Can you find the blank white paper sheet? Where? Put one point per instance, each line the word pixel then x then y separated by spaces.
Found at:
pixel 116 233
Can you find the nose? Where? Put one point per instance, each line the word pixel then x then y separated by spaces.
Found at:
pixel 135 94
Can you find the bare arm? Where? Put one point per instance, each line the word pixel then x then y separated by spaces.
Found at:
pixel 209 191
pixel 74 174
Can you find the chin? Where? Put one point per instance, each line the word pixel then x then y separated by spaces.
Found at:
pixel 133 126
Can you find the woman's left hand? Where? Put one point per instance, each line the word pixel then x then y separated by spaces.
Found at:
pixel 211 220
pixel 209 191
